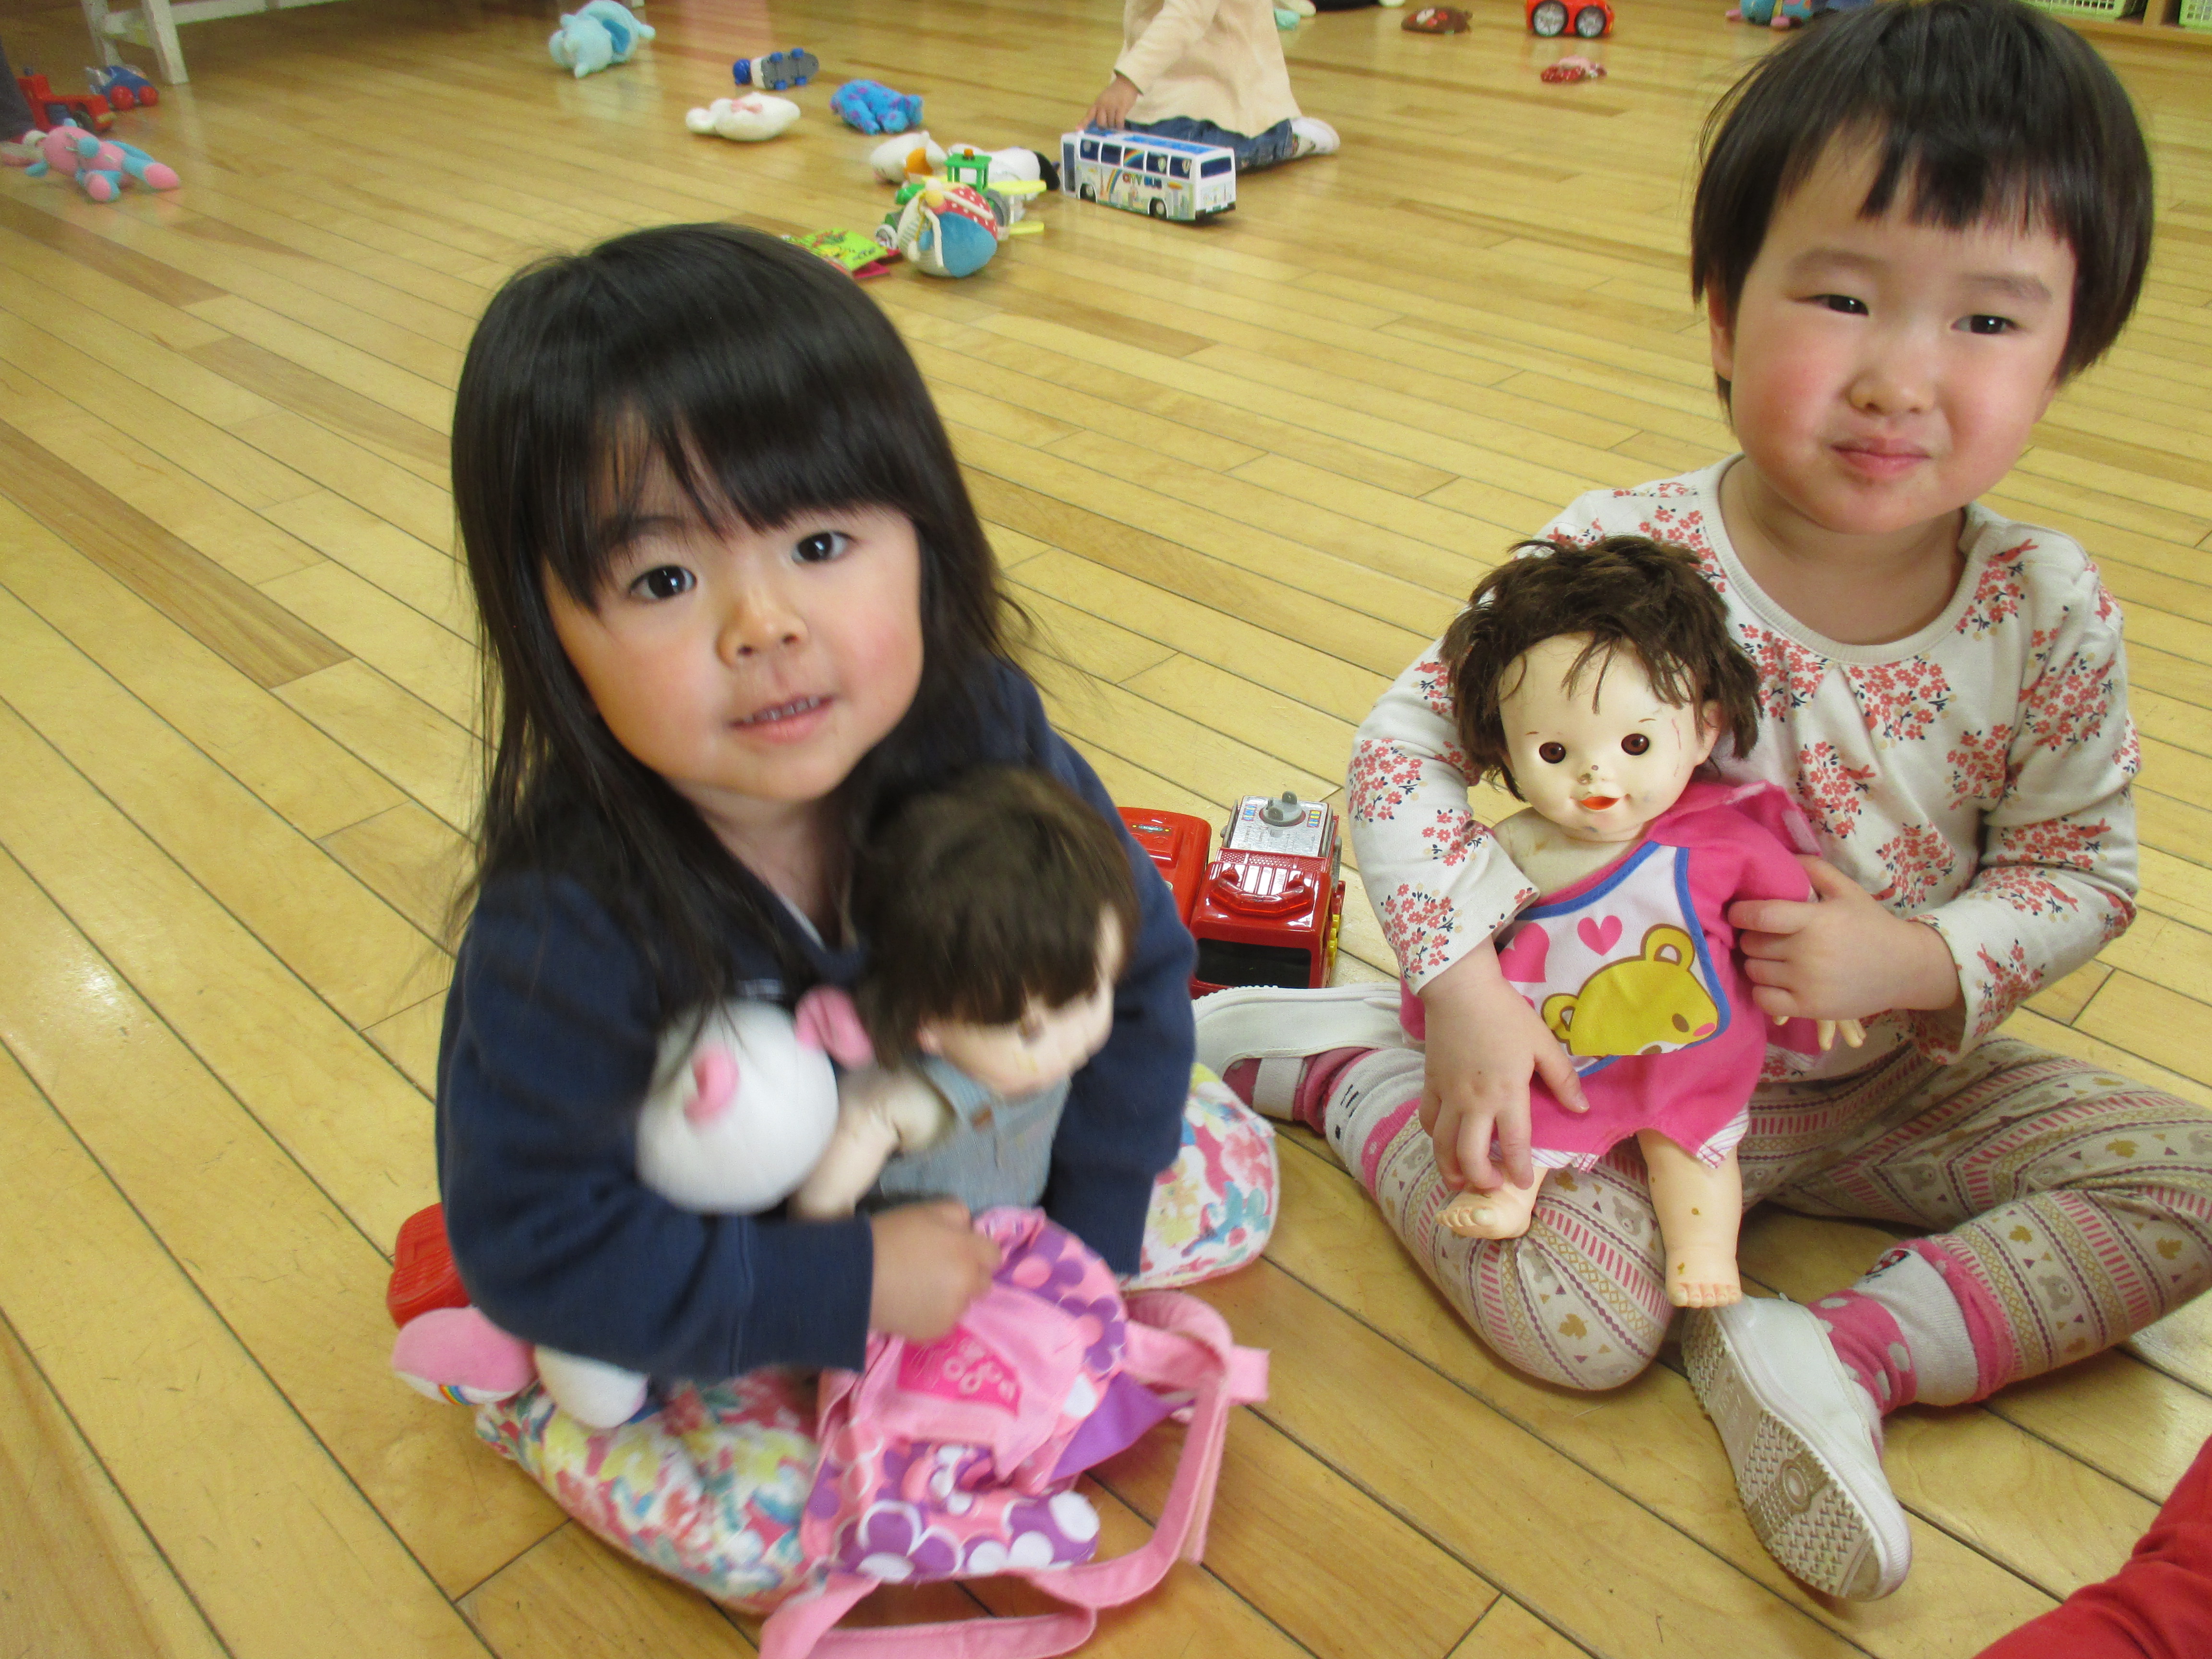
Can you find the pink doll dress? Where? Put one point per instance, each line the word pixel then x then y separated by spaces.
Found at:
pixel 1635 970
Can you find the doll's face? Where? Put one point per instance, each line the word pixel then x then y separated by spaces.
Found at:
pixel 1043 1046
pixel 1602 756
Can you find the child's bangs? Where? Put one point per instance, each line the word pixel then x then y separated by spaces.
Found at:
pixel 761 380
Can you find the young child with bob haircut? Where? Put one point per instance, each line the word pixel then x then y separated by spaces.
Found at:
pixel 1913 224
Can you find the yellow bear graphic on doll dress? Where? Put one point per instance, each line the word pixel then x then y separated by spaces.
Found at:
pixel 1644 1004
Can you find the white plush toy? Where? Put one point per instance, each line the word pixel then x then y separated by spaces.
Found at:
pixel 740 1113
pixel 748 119
pixel 892 160
pixel 1008 166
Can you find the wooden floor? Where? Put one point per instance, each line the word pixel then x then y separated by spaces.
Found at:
pixel 1241 472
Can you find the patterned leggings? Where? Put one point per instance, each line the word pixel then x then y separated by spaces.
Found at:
pixel 2078 1204
pixel 709 1489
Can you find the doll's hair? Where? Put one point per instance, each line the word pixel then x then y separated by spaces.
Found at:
pixel 975 898
pixel 1624 593
pixel 768 385
pixel 1975 110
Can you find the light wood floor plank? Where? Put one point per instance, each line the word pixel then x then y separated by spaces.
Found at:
pixel 101 1586
pixel 230 1485
pixel 317 1330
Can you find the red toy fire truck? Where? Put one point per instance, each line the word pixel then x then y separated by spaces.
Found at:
pixel 50 108
pixel 1267 911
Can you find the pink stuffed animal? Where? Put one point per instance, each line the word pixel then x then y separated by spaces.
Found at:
pixel 98 165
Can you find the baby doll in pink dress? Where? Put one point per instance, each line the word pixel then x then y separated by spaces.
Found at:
pixel 1595 682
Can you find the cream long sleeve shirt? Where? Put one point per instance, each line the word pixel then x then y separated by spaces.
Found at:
pixel 1974 777
pixel 1206 60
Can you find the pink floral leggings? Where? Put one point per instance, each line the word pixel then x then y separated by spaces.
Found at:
pixel 2079 1203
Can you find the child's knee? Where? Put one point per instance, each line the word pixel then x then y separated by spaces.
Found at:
pixel 1561 1319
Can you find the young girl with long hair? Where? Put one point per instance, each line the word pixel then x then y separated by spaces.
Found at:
pixel 735 604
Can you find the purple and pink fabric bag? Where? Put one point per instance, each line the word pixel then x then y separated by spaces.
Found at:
pixel 959 1458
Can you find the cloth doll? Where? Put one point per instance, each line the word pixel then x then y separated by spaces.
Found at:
pixel 1594 681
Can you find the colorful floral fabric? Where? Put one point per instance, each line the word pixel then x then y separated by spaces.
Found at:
pixel 712 1488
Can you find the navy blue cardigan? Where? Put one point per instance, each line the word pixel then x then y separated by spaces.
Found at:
pixel 549 1036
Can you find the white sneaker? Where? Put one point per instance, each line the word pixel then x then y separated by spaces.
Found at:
pixel 1283 1029
pixel 1805 1443
pixel 1314 137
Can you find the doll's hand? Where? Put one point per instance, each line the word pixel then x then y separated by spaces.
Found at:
pixel 1112 107
pixel 1843 957
pixel 930 1265
pixel 1484 1042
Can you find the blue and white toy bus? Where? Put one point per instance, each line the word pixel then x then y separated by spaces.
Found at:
pixel 1144 173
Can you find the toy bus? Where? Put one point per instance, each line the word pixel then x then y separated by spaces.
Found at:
pixel 1144 173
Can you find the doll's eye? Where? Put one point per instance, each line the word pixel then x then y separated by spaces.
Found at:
pixel 1551 753
pixel 1635 744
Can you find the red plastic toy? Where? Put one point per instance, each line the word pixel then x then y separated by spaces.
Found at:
pixel 1268 910
pixel 50 108
pixel 424 1277
pixel 1590 19
pixel 1179 845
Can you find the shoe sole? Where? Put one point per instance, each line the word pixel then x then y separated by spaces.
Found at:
pixel 1802 1509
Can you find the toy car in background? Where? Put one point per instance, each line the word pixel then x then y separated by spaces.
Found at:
pixel 1267 910
pixel 49 109
pixel 124 87
pixel 1590 19
pixel 1144 173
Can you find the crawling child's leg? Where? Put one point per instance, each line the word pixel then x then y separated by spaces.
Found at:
pixel 1700 1209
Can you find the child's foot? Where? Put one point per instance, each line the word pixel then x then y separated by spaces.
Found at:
pixel 1276 1032
pixel 1312 138
pixel 1699 1277
pixel 1501 1214
pixel 1805 1442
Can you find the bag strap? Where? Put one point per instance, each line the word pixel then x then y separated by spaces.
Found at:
pixel 1175 1342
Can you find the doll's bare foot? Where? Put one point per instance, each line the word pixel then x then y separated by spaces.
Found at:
pixel 1502 1214
pixel 1703 1278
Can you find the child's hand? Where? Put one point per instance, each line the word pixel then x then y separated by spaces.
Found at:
pixel 1843 957
pixel 1483 1041
pixel 930 1265
pixel 1112 107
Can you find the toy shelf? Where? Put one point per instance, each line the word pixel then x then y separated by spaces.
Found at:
pixel 2178 23
pixel 153 23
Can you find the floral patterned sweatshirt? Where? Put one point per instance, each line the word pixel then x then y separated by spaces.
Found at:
pixel 1973 776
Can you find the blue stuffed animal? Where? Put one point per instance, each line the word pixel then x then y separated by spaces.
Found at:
pixel 874 107
pixel 601 34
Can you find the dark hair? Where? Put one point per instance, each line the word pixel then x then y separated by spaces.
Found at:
pixel 976 897
pixel 1627 594
pixel 1977 110
pixel 769 384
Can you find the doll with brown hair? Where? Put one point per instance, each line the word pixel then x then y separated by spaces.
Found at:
pixel 1595 682
pixel 997 911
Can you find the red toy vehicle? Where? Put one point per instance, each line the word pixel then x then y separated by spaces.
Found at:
pixel 1267 911
pixel 50 108
pixel 1590 19
pixel 1179 844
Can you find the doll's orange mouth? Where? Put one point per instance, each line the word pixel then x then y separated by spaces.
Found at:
pixel 1597 803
